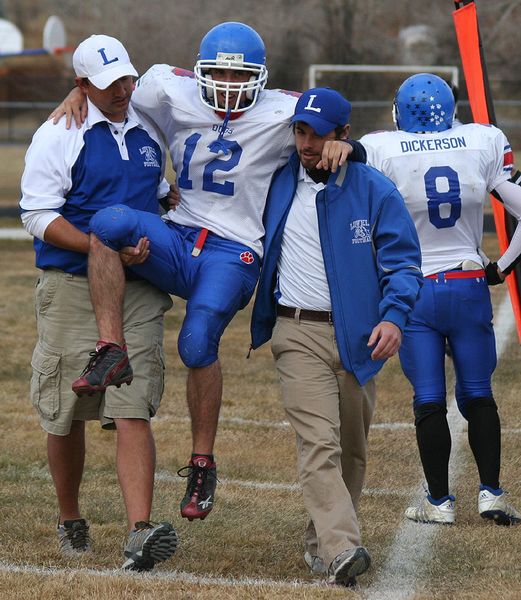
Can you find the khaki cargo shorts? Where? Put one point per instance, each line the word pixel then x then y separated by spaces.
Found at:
pixel 67 332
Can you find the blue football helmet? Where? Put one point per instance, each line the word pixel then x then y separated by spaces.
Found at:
pixel 424 103
pixel 237 47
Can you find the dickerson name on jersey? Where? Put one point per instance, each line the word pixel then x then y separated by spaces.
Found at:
pixel 433 144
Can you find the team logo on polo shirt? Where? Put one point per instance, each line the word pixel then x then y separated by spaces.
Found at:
pixel 150 156
pixel 361 231
pixel 247 257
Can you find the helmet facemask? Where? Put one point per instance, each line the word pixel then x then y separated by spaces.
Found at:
pixel 238 96
pixel 236 47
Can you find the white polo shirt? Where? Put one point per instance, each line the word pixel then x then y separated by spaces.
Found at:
pixel 302 281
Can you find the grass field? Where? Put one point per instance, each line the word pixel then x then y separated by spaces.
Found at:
pixel 251 544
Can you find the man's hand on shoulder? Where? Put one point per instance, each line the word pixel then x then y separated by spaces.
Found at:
pixel 74 106
pixel 334 155
pixel 387 336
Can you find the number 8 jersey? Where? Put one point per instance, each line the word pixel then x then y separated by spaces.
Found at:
pixel 223 176
pixel 444 178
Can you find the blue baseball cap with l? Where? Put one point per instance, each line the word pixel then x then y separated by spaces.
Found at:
pixel 323 109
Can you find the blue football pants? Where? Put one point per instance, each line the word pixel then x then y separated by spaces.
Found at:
pixel 216 284
pixel 458 311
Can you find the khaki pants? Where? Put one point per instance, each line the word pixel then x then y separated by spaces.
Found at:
pixel 67 332
pixel 331 414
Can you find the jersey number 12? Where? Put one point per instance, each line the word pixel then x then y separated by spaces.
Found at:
pixel 215 164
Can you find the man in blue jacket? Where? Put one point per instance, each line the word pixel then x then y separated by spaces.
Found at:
pixel 340 276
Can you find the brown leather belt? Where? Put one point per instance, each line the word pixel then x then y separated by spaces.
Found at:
pixel 323 316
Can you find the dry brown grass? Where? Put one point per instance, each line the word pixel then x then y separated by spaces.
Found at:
pixel 252 533
pixel 11 167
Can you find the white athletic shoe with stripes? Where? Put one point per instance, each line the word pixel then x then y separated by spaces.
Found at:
pixel 433 511
pixel 492 505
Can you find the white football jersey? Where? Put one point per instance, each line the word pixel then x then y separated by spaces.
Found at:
pixel 225 189
pixel 444 178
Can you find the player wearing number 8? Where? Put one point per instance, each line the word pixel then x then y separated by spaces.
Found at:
pixel 445 173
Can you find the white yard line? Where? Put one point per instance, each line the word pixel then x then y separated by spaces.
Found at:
pixel 276 424
pixel 14 233
pixel 412 546
pixel 42 474
pixel 276 486
pixel 272 424
pixel 175 576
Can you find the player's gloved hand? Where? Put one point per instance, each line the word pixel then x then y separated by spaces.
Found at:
pixel 493 274
pixel 516 177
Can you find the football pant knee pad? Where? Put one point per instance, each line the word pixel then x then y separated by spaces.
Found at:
pixel 197 344
pixel 115 226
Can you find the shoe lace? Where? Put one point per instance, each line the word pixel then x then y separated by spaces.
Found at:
pixel 77 535
pixel 195 475
pixel 95 358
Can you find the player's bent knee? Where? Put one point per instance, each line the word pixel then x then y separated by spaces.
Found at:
pixel 114 226
pixel 424 411
pixel 198 341
pixel 196 349
pixel 194 358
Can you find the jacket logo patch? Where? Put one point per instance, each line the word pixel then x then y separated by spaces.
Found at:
pixel 150 157
pixel 247 257
pixel 361 231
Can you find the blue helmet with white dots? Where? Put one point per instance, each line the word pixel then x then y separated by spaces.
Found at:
pixel 424 103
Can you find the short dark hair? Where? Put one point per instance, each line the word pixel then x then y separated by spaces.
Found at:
pixel 339 130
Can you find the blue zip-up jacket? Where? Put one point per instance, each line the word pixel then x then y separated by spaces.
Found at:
pixel 371 255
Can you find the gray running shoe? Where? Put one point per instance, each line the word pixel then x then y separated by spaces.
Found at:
pixel 347 565
pixel 148 544
pixel 74 537
pixel 315 564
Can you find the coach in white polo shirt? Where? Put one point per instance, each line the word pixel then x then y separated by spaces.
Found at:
pixel 115 157
pixel 340 276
